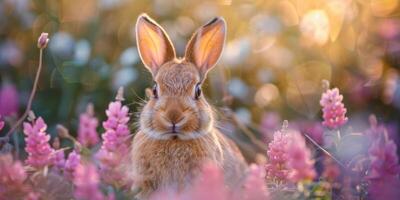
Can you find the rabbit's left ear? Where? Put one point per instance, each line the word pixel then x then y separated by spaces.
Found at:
pixel 155 47
pixel 205 46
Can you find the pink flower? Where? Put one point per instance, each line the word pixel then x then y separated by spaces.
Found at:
pixel 384 160
pixel 59 159
pixel 383 173
pixel 208 185
pixel 8 100
pixel 12 177
pixel 39 151
pixel 384 168
pixel 115 140
pixel 300 164
pixel 254 185
pixel 43 40
pixel 116 126
pixel 71 164
pixel 277 157
pixel 86 181
pixel 87 134
pixel 333 109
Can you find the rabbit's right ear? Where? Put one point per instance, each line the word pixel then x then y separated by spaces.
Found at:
pixel 154 46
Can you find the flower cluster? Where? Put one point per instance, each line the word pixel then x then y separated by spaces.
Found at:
pixel 71 164
pixel 254 185
pixel 12 177
pixel 334 112
pixel 115 139
pixel 40 153
pixel 86 181
pixel 210 184
pixel 87 134
pixel 299 160
pixel 277 157
pixel 383 173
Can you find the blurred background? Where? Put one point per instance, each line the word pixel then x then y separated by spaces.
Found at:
pixel 276 55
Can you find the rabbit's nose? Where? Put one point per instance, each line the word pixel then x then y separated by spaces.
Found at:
pixel 174 116
pixel 174 128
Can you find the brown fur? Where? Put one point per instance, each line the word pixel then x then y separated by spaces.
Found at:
pixel 177 134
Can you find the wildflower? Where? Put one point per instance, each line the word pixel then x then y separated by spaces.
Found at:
pixel 39 151
pixel 277 157
pixel 71 164
pixel 254 185
pixel 384 160
pixel 87 134
pixel 59 155
pixel 86 181
pixel 43 40
pixel 383 173
pixel 115 145
pixel 332 107
pixel 208 185
pixel 299 162
pixel 8 100
pixel 59 159
pixel 12 177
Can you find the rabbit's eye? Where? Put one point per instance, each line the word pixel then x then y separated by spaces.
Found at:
pixel 197 91
pixel 155 92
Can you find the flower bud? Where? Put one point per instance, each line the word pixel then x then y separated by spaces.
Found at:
pixel 43 40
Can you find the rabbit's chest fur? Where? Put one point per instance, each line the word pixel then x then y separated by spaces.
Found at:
pixel 170 163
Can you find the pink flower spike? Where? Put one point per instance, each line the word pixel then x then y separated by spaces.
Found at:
pixel 300 164
pixel 383 173
pixel 277 157
pixel 87 134
pixel 115 139
pixel 40 153
pixel 86 181
pixel 71 164
pixel 334 112
pixel 254 186
pixel 59 159
pixel 384 160
pixel 208 185
pixel 12 177
pixel 116 127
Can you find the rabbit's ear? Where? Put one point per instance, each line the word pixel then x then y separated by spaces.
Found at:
pixel 205 46
pixel 154 46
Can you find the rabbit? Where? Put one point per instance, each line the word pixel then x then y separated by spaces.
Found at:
pixel 177 132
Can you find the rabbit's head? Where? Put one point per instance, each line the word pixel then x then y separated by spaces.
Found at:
pixel 177 108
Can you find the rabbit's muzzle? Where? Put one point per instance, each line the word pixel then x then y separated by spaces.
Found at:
pixel 177 118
